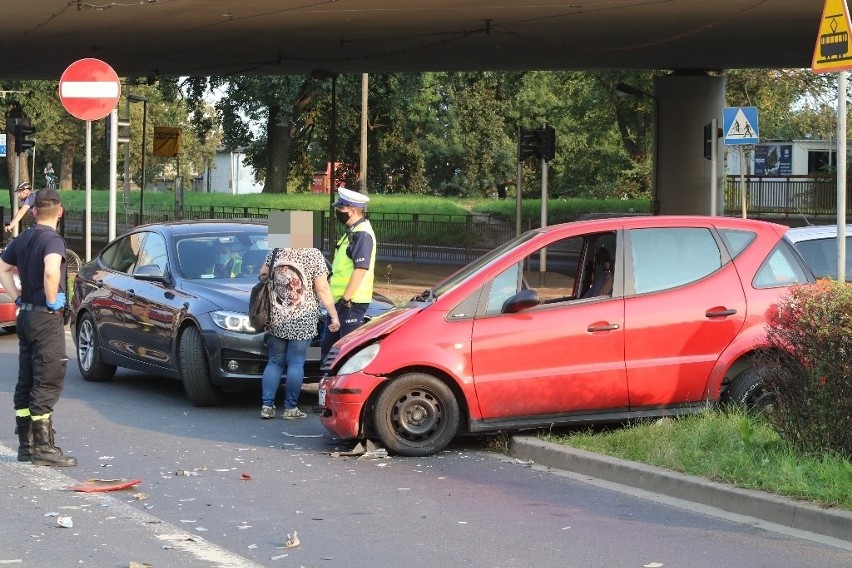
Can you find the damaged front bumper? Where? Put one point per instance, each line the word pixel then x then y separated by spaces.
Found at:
pixel 342 399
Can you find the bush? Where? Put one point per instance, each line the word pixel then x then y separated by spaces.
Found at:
pixel 807 361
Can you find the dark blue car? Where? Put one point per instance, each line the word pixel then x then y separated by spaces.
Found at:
pixel 172 299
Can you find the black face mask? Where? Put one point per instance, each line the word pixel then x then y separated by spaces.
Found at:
pixel 342 216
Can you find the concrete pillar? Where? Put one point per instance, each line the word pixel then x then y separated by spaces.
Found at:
pixel 685 103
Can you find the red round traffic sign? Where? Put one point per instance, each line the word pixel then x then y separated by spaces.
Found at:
pixel 89 89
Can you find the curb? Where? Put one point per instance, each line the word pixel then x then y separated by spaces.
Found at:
pixel 784 511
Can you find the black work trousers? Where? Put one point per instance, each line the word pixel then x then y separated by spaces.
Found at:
pixel 41 361
pixel 351 318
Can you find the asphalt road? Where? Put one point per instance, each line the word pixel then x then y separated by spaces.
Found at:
pixel 464 507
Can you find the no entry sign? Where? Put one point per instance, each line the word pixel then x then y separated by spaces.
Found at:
pixel 89 89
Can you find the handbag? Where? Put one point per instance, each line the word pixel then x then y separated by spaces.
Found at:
pixel 260 300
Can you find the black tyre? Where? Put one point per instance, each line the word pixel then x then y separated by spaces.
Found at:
pixel 89 359
pixel 416 415
pixel 749 389
pixel 73 262
pixel 195 371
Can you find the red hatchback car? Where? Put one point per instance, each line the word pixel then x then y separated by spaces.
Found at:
pixel 587 322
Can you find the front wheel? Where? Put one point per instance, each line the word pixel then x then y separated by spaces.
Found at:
pixel 89 359
pixel 416 415
pixel 195 370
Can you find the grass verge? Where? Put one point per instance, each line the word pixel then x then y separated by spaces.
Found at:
pixel 728 446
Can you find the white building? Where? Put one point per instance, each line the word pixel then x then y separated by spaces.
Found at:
pixel 229 174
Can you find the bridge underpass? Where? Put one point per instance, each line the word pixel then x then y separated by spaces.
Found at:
pixel 695 40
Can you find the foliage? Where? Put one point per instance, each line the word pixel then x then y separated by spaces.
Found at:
pixel 807 362
pixel 730 446
pixel 560 210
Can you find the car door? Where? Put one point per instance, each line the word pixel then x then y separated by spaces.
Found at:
pixel 152 308
pixel 684 304
pixel 565 355
pixel 108 298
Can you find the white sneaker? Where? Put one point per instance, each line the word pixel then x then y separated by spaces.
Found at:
pixel 291 413
pixel 267 411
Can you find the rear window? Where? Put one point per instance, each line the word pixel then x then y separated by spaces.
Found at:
pixel 821 256
pixel 780 269
pixel 671 257
pixel 736 241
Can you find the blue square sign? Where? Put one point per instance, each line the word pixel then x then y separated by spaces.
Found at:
pixel 739 125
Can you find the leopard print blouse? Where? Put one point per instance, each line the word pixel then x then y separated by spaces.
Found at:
pixel 295 306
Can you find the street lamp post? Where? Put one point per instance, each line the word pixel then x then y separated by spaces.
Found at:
pixel 144 101
pixel 623 89
pixel 325 74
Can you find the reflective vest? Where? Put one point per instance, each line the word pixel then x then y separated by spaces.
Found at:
pixel 343 267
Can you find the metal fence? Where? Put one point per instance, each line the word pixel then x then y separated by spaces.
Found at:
pixel 782 195
pixel 404 237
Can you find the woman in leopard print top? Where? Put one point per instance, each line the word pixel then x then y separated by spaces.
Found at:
pixel 300 283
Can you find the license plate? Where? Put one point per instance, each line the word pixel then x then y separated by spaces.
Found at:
pixel 322 397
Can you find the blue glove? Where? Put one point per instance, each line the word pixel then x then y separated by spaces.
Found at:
pixel 59 303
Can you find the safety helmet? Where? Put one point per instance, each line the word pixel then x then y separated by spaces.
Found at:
pixel 24 185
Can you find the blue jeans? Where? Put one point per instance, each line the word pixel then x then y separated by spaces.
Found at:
pixel 289 352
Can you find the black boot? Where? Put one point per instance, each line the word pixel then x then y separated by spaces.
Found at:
pixel 24 431
pixel 44 452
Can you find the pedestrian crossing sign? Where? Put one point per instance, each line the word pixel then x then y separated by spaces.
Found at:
pixel 832 52
pixel 739 125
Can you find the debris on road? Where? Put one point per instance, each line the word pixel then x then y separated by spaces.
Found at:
pixel 245 476
pixel 292 542
pixel 104 485
pixel 65 522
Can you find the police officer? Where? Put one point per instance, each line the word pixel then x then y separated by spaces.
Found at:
pixel 39 255
pixel 353 267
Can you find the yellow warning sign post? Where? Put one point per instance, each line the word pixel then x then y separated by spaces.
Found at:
pixel 832 51
pixel 166 141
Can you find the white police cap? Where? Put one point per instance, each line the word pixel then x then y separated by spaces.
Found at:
pixel 349 198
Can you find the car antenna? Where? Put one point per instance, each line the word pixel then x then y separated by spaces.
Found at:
pixel 807 222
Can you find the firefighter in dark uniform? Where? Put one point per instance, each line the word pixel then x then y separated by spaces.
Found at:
pixel 353 267
pixel 39 255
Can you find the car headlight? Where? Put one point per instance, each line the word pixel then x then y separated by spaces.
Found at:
pixel 233 321
pixel 360 360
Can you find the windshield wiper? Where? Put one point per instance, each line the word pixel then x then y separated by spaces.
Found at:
pixel 426 295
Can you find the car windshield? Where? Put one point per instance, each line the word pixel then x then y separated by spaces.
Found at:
pixel 474 267
pixel 233 255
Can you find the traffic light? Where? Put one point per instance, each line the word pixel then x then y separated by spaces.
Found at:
pixel 22 144
pixel 546 143
pixel 123 131
pixel 526 145
pixel 540 143
pixel 709 139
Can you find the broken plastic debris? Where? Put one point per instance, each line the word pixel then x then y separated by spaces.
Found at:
pixel 139 496
pixel 104 485
pixel 186 473
pixel 65 522
pixel 293 541
pixel 12 561
pixel 140 565
pixel 524 462
pixel 303 435
pixel 280 556
pixel 245 476
pixel 653 565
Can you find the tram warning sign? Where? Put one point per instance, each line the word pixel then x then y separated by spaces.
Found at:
pixel 832 51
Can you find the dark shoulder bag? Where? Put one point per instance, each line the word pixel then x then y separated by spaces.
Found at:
pixel 259 301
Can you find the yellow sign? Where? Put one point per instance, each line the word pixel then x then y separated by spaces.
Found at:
pixel 166 141
pixel 832 51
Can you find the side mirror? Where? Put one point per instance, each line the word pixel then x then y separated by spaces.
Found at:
pixel 523 300
pixel 149 272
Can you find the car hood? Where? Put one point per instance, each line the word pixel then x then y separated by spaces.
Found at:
pixel 232 295
pixel 379 326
